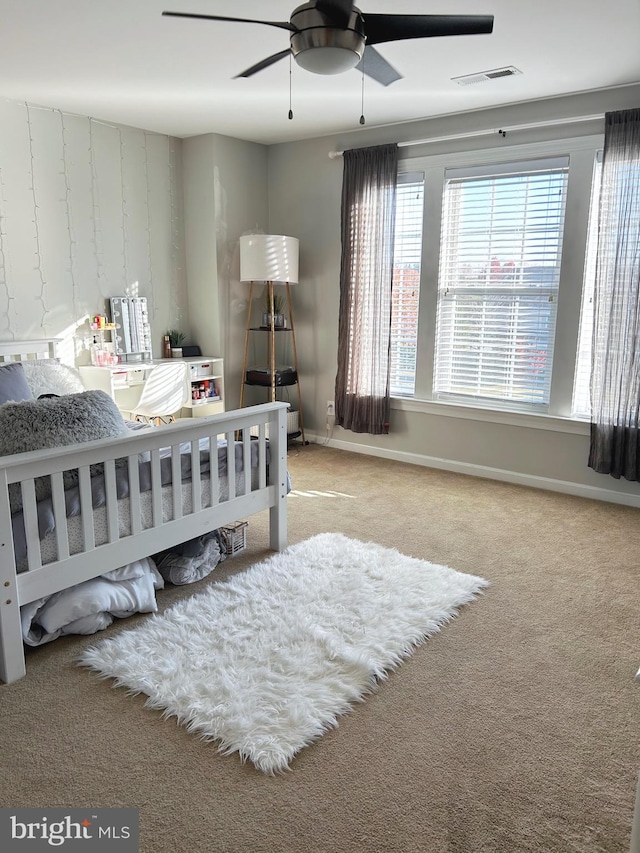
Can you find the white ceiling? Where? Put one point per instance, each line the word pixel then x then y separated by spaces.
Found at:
pixel 121 61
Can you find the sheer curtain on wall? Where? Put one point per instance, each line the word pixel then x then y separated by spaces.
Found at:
pixel 368 221
pixel 615 371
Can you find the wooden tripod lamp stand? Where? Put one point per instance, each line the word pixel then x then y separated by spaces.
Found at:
pixel 271 260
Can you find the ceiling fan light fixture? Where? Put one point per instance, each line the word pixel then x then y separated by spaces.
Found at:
pixel 328 60
pixel 325 50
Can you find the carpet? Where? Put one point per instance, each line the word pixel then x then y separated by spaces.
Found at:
pixel 264 663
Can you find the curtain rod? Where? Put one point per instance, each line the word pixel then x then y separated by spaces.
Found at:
pixel 501 131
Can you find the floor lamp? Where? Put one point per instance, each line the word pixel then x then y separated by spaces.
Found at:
pixel 270 259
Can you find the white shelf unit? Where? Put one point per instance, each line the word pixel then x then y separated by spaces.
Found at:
pixel 206 377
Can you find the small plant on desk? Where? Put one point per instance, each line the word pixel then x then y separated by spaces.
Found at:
pixel 176 339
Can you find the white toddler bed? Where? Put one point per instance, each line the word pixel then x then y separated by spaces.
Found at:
pixel 165 501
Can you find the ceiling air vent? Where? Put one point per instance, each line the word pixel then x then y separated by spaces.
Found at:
pixel 483 76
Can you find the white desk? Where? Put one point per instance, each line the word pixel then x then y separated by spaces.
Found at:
pixel 123 383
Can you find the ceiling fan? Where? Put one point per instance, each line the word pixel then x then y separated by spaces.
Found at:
pixel 332 36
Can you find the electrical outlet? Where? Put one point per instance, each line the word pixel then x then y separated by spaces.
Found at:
pixel 331 409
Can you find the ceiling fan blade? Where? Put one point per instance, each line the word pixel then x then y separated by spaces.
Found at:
pixel 376 66
pixel 283 25
pixel 259 66
pixel 382 28
pixel 336 12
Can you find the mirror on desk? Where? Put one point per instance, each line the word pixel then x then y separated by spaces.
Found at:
pixel 132 334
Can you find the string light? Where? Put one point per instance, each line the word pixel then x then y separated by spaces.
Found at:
pixel 148 224
pixel 4 262
pixel 67 202
pixel 125 263
pixel 97 225
pixel 68 134
pixel 36 225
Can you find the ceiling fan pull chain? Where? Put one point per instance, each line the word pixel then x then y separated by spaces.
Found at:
pixel 290 110
pixel 362 113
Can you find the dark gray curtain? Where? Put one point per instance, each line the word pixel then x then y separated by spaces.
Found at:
pixel 615 369
pixel 364 331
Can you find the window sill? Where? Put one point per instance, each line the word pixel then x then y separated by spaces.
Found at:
pixel 552 423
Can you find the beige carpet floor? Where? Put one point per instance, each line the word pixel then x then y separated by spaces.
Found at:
pixel 513 729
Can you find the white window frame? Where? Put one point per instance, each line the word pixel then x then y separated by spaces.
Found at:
pixel 586 311
pixel 581 152
pixel 532 295
pixel 404 179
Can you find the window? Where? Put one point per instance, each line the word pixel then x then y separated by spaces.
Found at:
pixel 500 254
pixel 488 289
pixel 406 283
pixel 581 407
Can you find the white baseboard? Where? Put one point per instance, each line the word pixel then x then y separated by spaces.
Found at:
pixel 566 487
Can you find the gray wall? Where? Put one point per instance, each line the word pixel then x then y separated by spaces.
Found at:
pixel 225 196
pixel 304 202
pixel 88 210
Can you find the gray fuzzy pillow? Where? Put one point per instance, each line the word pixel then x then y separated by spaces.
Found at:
pixel 57 422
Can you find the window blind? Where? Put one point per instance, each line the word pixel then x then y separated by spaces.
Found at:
pixel 581 405
pixel 405 292
pixel 500 254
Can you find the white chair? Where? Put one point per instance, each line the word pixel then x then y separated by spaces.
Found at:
pixel 165 392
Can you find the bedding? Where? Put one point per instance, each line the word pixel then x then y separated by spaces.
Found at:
pixel 56 422
pixel 49 376
pixel 13 383
pixel 93 605
pixel 191 561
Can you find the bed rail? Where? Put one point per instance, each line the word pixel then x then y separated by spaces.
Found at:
pixel 243 496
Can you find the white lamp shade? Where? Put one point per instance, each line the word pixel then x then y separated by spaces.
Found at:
pixel 269 257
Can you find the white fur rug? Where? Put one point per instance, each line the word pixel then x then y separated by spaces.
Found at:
pixel 265 662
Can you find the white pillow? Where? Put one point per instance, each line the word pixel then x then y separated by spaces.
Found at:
pixel 48 376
